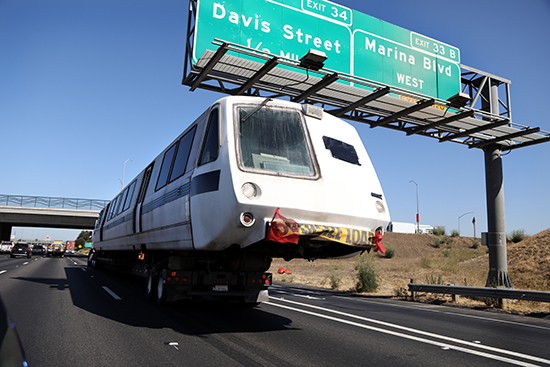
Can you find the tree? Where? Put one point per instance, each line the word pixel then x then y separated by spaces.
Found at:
pixel 83 237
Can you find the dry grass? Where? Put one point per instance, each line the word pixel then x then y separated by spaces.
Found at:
pixel 417 257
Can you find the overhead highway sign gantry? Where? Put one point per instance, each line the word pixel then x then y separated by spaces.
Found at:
pixel 374 73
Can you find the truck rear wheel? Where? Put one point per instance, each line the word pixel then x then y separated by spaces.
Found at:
pixel 92 259
pixel 161 291
pixel 150 286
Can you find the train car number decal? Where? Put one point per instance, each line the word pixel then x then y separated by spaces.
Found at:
pixel 284 229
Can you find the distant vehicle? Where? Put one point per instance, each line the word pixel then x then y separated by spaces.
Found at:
pixel 56 249
pixel 38 250
pixel 400 227
pixel 21 249
pixel 6 246
pixel 203 220
pixel 69 247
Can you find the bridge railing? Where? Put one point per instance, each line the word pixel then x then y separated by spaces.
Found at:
pixel 52 202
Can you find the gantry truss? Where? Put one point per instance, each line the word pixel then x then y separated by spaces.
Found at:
pixel 237 70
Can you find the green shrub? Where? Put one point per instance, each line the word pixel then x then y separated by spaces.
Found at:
pixel 454 233
pixel 366 274
pixel 516 236
pixel 438 242
pixel 439 231
pixel 475 243
pixel 433 280
pixel 390 252
pixel 334 278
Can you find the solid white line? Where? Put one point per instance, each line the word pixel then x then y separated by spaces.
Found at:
pixel 113 294
pixel 475 345
pixel 2 271
pixel 418 308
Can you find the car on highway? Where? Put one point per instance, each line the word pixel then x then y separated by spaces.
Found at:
pixel 6 246
pixel 38 250
pixel 57 249
pixel 20 249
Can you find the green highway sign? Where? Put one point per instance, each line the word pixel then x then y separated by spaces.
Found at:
pixel 355 43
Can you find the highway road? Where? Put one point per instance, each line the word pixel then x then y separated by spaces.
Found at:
pixel 69 315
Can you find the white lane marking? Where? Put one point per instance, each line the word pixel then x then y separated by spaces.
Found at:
pixel 113 294
pixel 300 295
pixel 2 271
pixel 83 269
pixel 417 308
pixel 387 324
pixel 25 263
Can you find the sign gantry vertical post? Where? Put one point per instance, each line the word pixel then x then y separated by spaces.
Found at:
pixel 494 183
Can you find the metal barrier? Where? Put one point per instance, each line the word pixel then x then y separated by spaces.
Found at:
pixel 521 294
pixel 52 202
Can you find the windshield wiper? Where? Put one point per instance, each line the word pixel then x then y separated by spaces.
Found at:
pixel 259 107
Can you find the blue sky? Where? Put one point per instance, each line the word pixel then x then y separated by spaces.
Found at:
pixel 86 85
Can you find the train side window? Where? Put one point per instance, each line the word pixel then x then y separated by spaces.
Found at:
pixel 144 184
pixel 112 210
pixel 130 191
pixel 211 144
pixel 120 205
pixel 341 150
pixel 98 221
pixel 165 168
pixel 180 163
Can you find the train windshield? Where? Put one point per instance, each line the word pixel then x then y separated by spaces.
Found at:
pixel 273 140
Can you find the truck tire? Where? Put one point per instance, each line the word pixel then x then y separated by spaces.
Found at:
pixel 92 260
pixel 150 290
pixel 161 291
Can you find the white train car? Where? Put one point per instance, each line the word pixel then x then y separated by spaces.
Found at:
pixel 202 211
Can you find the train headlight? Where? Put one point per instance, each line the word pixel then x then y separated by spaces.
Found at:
pixel 250 190
pixel 380 207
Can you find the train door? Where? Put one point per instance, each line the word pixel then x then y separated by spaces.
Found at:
pixel 141 197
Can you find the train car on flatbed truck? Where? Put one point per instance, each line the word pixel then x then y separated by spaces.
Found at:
pixel 251 179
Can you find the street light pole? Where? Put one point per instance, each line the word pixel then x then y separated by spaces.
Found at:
pixel 123 170
pixel 417 208
pixel 459 221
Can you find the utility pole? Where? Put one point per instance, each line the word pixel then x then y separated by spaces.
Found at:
pixel 417 208
pixel 123 170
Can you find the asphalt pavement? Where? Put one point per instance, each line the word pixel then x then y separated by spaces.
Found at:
pixel 69 315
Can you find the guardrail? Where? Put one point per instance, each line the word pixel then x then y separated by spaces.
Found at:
pixel 52 202
pixel 521 294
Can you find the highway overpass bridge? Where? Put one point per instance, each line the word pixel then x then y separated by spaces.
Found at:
pixel 47 212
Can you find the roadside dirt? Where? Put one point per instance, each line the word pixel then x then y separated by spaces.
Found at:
pixel 435 260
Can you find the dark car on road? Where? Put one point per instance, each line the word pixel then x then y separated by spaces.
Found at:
pixel 20 249
pixel 38 250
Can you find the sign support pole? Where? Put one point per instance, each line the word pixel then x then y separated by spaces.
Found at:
pixel 496 218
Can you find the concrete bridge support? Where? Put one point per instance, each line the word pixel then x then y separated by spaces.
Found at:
pixel 5 231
